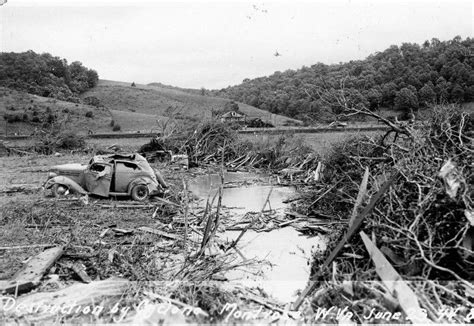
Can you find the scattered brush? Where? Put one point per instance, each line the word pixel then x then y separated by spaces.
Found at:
pixel 423 222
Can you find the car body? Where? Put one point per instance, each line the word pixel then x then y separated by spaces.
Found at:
pixel 107 175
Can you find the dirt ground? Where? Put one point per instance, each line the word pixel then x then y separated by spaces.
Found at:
pixel 102 236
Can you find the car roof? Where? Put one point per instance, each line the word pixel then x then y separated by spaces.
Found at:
pixel 133 158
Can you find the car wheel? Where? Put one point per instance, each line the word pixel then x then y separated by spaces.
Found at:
pixel 59 190
pixel 140 192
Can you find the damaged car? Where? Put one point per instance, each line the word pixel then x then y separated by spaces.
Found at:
pixel 107 175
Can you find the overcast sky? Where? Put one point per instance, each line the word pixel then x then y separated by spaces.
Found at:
pixel 216 44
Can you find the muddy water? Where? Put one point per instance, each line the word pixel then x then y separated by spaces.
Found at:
pixel 282 254
pixel 246 197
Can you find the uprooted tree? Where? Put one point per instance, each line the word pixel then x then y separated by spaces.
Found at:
pixel 423 223
pixel 346 103
pixel 56 135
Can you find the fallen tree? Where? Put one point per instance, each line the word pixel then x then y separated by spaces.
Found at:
pixel 423 224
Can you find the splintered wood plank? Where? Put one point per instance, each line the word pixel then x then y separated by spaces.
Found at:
pixel 29 276
pixel 80 270
pixel 357 223
pixel 395 284
pixel 93 294
pixel 158 232
pixel 360 196
pixel 165 201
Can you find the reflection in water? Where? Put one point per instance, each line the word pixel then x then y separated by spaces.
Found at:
pixel 285 252
pixel 247 198
pixel 288 255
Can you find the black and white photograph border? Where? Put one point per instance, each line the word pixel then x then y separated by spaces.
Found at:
pixel 236 162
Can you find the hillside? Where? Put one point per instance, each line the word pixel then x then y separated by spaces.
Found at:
pixel 401 79
pixel 160 103
pixel 45 75
pixel 23 112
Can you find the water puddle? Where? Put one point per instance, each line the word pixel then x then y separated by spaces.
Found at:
pixel 243 192
pixel 283 254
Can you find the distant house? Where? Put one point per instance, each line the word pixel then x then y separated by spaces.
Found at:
pixel 233 116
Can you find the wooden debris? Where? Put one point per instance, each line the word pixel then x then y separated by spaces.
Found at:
pixel 296 214
pixel 350 233
pixel 28 246
pixel 324 194
pixel 291 199
pixel 122 231
pixel 165 201
pixel 80 270
pixel 290 222
pixel 392 256
pixel 25 188
pixel 159 232
pixel 186 306
pixel 317 228
pixel 126 206
pixel 111 254
pixel 267 201
pixel 29 276
pixel 79 294
pixel 103 233
pixel 186 207
pixel 360 196
pixel 395 284
pixel 351 255
pixel 260 301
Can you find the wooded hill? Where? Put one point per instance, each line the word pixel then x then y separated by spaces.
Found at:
pixel 405 78
pixel 45 75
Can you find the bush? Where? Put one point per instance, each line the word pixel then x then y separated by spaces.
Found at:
pixel 231 106
pixel 92 100
pixel 70 140
pixel 50 118
pixel 13 117
pixel 89 114
pixel 48 143
pixel 116 128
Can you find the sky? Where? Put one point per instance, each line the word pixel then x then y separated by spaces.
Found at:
pixel 196 44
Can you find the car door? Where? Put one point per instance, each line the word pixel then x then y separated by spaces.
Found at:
pixel 98 177
pixel 125 172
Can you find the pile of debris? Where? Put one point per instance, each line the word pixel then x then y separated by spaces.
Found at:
pixel 152 255
pixel 412 199
pixel 214 143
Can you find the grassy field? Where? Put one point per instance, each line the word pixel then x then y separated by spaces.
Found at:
pixel 28 106
pixel 134 121
pixel 141 108
pixel 159 102
pixel 319 142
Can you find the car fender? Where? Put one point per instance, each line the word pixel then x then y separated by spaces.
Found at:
pixel 152 185
pixel 74 186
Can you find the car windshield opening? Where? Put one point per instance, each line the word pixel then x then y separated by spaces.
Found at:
pixel 97 168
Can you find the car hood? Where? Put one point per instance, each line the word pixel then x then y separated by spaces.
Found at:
pixel 76 167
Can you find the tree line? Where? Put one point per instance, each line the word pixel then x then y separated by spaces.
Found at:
pixel 406 78
pixel 45 75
